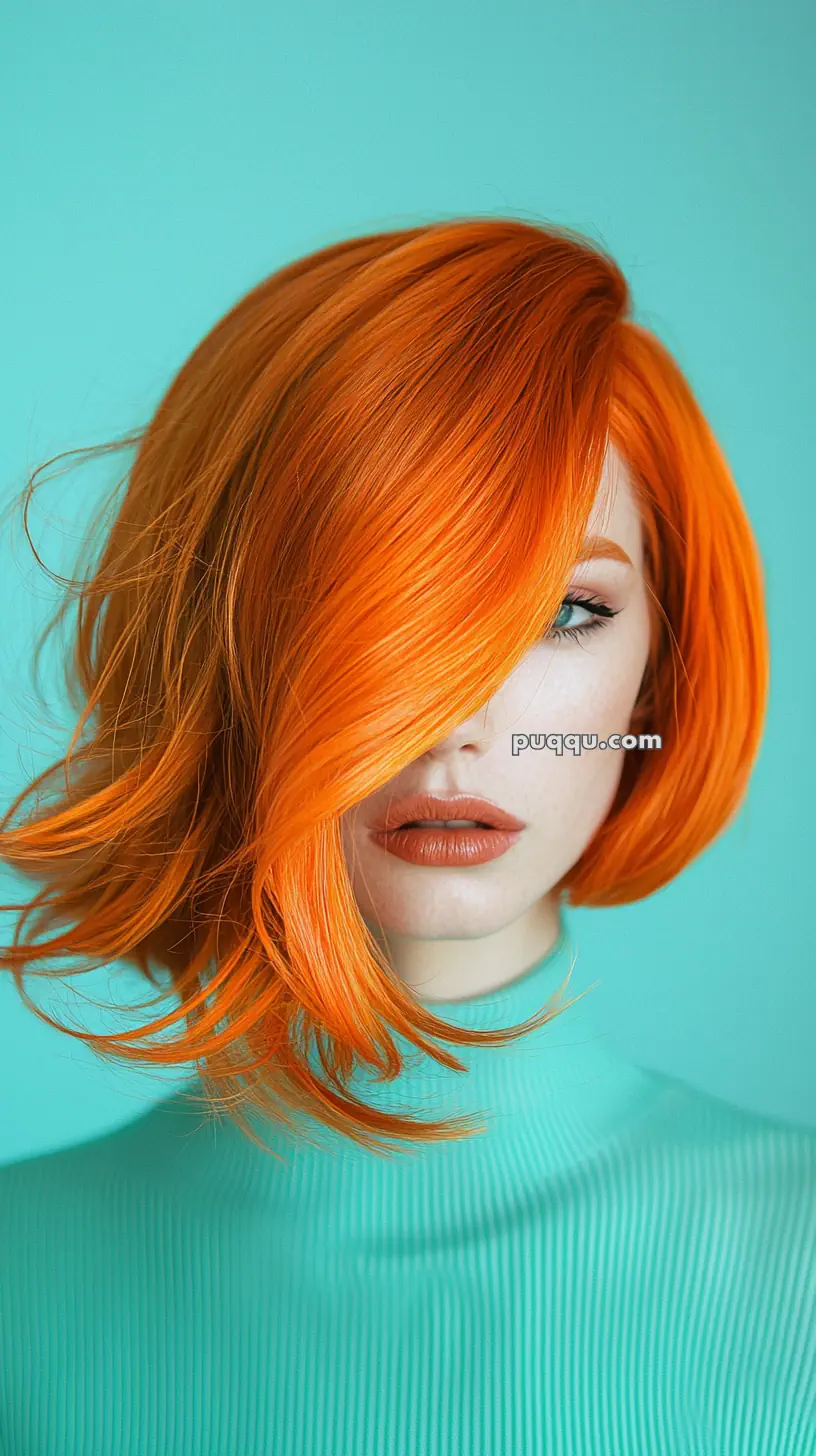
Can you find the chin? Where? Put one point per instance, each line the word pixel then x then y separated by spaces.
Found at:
pixel 465 923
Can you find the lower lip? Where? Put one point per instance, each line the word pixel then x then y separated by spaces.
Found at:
pixel 446 846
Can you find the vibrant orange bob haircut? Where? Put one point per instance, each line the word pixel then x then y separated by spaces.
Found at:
pixel 353 513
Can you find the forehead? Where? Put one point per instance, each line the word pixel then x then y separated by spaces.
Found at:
pixel 616 513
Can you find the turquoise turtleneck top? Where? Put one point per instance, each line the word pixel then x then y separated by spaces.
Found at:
pixel 619 1266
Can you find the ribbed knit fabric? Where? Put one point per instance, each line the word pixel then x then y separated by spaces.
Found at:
pixel 619 1266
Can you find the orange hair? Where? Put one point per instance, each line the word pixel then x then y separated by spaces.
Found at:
pixel 353 513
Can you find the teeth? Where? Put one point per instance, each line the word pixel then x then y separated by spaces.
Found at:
pixel 448 823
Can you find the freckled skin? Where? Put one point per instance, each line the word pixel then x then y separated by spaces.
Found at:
pixel 457 932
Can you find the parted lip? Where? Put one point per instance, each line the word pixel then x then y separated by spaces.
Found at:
pixel 460 806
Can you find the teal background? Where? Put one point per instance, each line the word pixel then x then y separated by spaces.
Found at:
pixel 156 163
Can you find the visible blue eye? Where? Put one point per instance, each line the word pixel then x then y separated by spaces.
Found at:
pixel 601 614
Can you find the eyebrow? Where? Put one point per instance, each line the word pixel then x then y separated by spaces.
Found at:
pixel 603 547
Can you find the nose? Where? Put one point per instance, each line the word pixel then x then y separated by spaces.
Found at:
pixel 474 736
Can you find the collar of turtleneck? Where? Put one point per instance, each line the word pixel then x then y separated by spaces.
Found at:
pixel 545 1102
pixel 562 1084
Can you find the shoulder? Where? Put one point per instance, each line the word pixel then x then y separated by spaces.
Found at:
pixel 733 1192
pixel 754 1151
pixel 753 1171
pixel 158 1147
pixel 749 1180
pixel 736 1191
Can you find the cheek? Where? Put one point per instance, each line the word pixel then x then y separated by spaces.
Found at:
pixel 575 690
pixel 605 700
pixel 569 797
pixel 578 691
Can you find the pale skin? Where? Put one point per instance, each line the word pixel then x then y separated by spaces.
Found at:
pixel 455 932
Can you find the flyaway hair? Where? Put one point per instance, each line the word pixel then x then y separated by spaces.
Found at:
pixel 354 511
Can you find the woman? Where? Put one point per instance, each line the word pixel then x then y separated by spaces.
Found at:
pixel 400 643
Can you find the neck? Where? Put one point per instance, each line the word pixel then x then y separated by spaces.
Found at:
pixel 453 968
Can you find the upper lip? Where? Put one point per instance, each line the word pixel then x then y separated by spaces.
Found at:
pixel 458 806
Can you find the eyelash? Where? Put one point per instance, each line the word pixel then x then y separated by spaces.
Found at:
pixel 603 612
